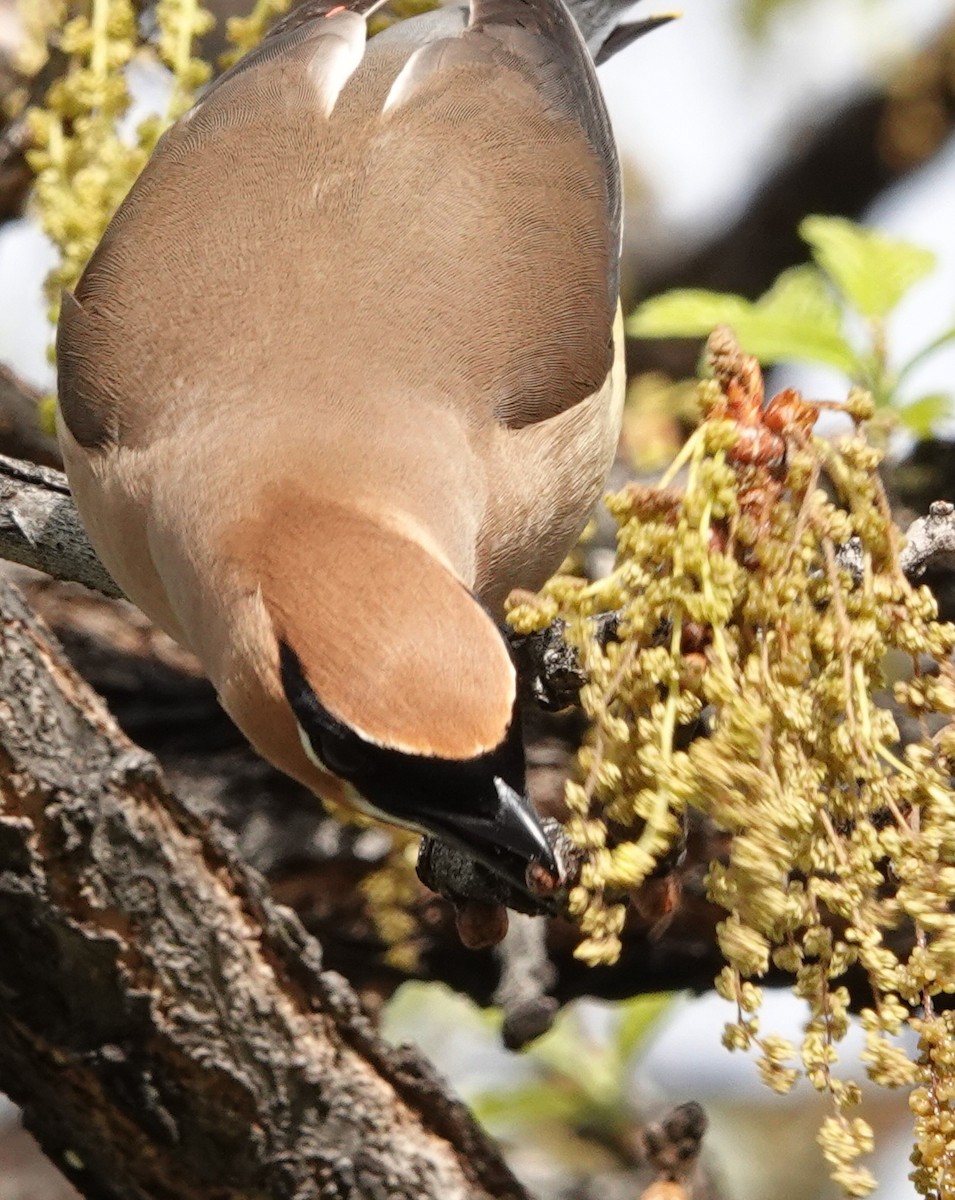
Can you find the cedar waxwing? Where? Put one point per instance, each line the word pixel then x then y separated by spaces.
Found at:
pixel 345 368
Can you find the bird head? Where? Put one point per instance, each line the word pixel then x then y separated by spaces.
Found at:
pixel 477 804
pixel 402 686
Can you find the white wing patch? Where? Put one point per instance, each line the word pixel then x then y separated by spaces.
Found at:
pixel 340 49
pixel 405 81
pixel 442 54
pixel 430 60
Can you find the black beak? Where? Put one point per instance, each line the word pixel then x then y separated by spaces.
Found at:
pixel 507 839
pixel 517 829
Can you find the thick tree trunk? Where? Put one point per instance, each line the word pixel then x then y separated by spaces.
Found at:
pixel 168 1028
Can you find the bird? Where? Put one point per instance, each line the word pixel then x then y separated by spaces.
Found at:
pixel 346 368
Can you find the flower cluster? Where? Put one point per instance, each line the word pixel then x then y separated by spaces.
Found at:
pixel 83 168
pixel 748 681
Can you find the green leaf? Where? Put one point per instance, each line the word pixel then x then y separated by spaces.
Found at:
pixel 637 1018
pixel 798 318
pixel 543 1101
pixel 872 271
pixel 920 416
pixel 558 1052
pixel 687 312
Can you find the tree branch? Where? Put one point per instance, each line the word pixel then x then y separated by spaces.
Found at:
pixel 20 432
pixel 930 541
pixel 40 527
pixel 168 1028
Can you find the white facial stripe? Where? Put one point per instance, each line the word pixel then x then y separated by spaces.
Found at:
pixel 350 794
pixel 310 751
pixel 339 51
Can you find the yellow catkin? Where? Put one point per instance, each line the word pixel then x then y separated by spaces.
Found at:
pixel 732 595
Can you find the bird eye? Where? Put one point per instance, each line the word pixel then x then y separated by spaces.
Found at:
pixel 341 754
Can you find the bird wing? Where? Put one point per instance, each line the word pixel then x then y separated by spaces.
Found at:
pixel 508 42
pixel 405 216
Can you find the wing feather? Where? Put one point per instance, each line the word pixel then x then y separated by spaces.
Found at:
pixel 469 237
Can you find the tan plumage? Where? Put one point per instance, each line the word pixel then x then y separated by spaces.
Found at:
pixel 345 355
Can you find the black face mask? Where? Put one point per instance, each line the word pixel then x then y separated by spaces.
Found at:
pixel 477 805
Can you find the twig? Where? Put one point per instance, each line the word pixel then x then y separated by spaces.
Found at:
pixel 40 527
pixel 527 975
pixel 672 1147
pixel 930 542
pixel 548 665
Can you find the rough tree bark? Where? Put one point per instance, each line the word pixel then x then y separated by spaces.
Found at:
pixel 169 1029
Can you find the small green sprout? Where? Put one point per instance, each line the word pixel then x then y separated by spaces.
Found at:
pixel 833 311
